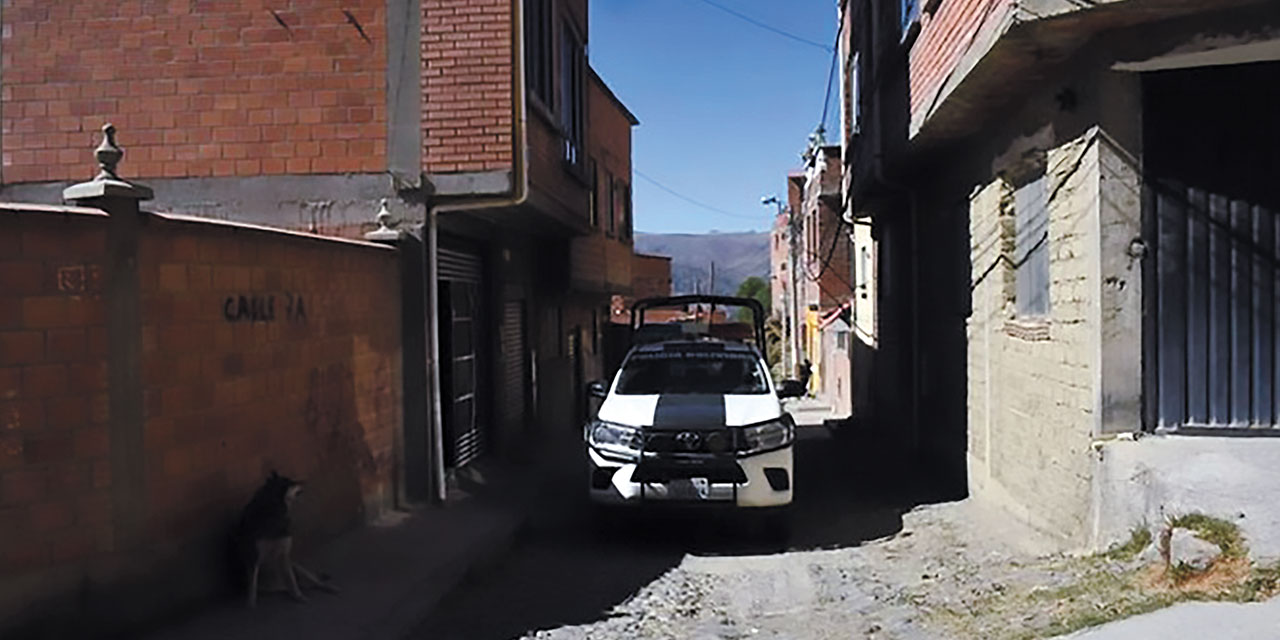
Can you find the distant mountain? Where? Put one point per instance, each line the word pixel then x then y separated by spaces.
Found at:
pixel 737 256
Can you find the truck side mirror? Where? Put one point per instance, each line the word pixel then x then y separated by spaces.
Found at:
pixel 598 389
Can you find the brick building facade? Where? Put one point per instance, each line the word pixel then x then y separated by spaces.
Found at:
pixel 651 276
pixel 822 260
pixel 153 369
pixel 478 126
pixel 1045 246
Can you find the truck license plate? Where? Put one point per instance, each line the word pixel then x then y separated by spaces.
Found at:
pixel 691 489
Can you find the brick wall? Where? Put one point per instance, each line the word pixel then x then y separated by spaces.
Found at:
pixel 555 187
pixel 203 87
pixel 55 474
pixel 651 276
pixel 609 143
pixel 467 85
pixel 601 261
pixel 312 391
pixel 824 241
pixel 945 35
pixel 779 264
pixel 260 350
pixel 1033 396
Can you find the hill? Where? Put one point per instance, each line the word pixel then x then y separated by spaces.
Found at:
pixel 737 256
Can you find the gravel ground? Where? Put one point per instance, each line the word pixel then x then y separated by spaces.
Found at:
pixel 915 585
pixel 860 563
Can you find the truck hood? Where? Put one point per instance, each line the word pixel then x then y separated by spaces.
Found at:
pixel 689 411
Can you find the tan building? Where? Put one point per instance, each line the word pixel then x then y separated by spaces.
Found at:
pixel 1074 300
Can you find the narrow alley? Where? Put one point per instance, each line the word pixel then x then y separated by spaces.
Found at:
pixel 656 577
pixel 606 320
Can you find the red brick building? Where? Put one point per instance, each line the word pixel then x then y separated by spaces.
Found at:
pixel 824 246
pixel 823 254
pixel 651 276
pixel 779 264
pixel 504 160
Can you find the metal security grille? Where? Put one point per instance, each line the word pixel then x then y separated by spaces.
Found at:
pixel 1214 315
pixel 515 372
pixel 463 425
pixel 461 344
pixel 459 265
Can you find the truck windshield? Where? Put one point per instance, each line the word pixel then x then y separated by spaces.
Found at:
pixel 692 372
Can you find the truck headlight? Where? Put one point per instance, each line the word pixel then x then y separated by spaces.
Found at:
pixel 614 439
pixel 767 436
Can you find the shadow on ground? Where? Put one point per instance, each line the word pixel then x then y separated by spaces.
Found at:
pixel 850 489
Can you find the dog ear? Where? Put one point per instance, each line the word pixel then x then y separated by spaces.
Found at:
pixel 274 475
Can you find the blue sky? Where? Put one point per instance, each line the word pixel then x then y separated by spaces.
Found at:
pixel 725 106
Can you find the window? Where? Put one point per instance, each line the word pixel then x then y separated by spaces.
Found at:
pixel 595 331
pixel 864 270
pixel 1031 249
pixel 611 223
pixel 538 49
pixel 593 179
pixel 853 108
pixel 572 91
pixel 910 15
pixel 695 372
pixel 625 194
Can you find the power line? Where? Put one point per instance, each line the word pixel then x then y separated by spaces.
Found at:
pixel 766 26
pixel 831 74
pixel 692 201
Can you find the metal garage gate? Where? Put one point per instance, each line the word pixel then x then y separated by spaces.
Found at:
pixel 515 375
pixel 461 326
pixel 1215 310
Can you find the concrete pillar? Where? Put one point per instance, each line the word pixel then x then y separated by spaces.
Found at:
pixel 414 444
pixel 119 199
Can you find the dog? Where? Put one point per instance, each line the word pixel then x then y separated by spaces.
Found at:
pixel 263 539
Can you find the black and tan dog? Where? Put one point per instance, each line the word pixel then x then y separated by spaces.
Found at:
pixel 263 539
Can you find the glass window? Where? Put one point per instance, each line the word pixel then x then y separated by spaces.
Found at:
pixel 572 87
pixel 910 13
pixel 692 372
pixel 593 178
pixel 1032 247
pixel 537 39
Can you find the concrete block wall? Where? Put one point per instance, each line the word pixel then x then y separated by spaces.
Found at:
pixel 204 88
pixel 1034 385
pixel 259 350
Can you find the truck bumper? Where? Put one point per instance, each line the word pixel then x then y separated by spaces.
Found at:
pixel 765 481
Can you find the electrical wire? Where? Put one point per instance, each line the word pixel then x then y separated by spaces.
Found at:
pixel 766 26
pixel 826 262
pixel 831 74
pixel 681 196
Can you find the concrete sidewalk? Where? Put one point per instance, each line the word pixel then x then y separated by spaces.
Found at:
pixel 1195 621
pixel 392 575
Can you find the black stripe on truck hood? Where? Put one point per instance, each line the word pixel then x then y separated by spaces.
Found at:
pixel 689 412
